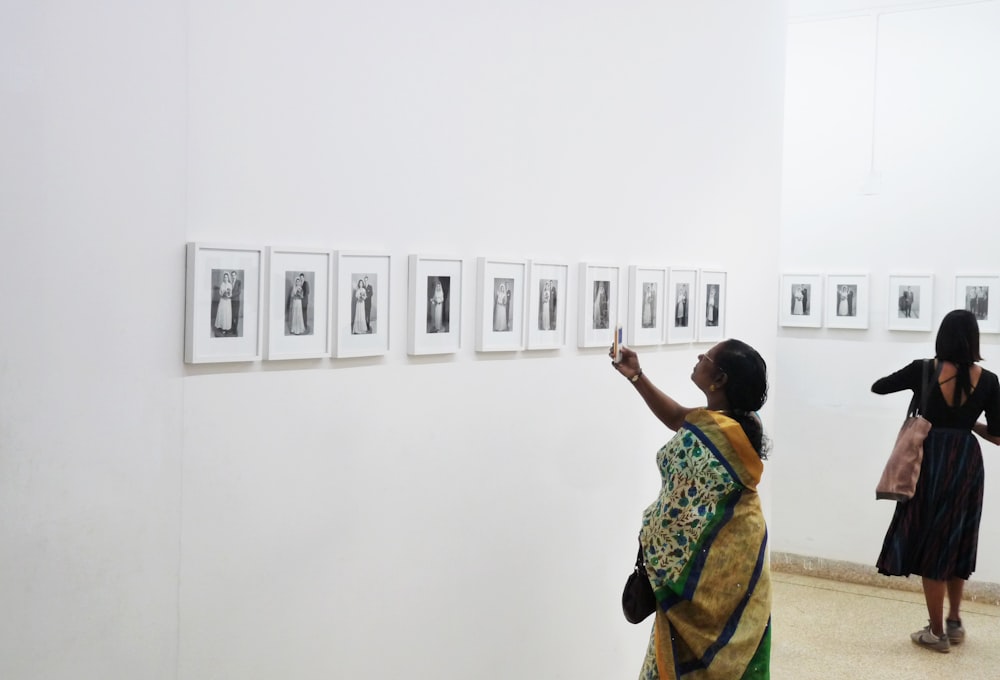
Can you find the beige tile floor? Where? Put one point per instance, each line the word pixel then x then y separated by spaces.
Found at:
pixel 830 630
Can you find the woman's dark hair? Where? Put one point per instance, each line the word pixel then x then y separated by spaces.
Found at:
pixel 958 342
pixel 745 388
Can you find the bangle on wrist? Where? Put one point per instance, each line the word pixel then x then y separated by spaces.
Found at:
pixel 635 378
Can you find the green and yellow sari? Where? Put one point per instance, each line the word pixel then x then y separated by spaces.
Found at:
pixel 705 543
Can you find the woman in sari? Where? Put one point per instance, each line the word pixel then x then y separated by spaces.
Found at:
pixel 704 538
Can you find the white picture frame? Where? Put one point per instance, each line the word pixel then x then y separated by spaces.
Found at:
pixel 682 300
pixel 711 305
pixel 435 305
pixel 598 293
pixel 298 303
pixel 500 304
pixel 910 302
pixel 646 288
pixel 224 289
pixel 846 301
pixel 368 335
pixel 975 294
pixel 800 301
pixel 548 298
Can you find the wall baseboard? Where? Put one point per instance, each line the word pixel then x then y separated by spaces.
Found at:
pixel 852 572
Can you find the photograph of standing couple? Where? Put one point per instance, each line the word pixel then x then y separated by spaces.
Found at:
pixel 801 299
pixel 681 306
pixel 977 301
pixel 297 310
pixel 439 288
pixel 602 318
pixel 909 303
pixel 227 292
pixel 362 297
pixel 547 300
pixel 712 304
pixel 503 291
pixel 846 296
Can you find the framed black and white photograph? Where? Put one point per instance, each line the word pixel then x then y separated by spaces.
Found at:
pixel 847 301
pixel 500 305
pixel 298 317
pixel 646 288
pixel 224 290
pixel 800 300
pixel 598 293
pixel 548 297
pixel 711 305
pixel 361 304
pixel 682 296
pixel 435 305
pixel 974 293
pixel 911 302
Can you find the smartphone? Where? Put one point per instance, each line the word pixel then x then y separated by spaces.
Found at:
pixel 617 344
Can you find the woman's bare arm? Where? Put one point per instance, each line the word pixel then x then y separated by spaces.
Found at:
pixel 980 429
pixel 668 411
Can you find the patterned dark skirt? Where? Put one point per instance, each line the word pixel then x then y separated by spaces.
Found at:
pixel 936 533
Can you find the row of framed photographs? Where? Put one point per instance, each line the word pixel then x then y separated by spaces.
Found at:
pixel 663 305
pixel 246 303
pixel 843 303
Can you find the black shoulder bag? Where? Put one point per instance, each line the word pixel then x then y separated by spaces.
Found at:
pixel 638 600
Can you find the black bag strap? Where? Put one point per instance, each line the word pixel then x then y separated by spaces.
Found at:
pixel 640 559
pixel 920 396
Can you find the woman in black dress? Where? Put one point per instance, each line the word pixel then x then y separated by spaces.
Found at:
pixel 936 533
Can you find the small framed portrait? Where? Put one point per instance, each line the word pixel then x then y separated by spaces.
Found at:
pixel 224 290
pixel 800 300
pixel 910 303
pixel 500 308
pixel 435 305
pixel 973 293
pixel 847 301
pixel 298 317
pixel 362 304
pixel 598 293
pixel 646 288
pixel 548 295
pixel 712 305
pixel 682 300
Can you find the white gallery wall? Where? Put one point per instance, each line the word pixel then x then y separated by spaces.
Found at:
pixel 470 515
pixel 92 211
pixel 889 167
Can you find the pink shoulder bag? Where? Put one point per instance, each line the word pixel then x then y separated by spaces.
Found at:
pixel 902 470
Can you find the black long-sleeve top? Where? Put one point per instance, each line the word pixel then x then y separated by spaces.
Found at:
pixel 984 398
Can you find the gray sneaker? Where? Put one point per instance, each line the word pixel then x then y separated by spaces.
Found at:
pixel 928 640
pixel 956 634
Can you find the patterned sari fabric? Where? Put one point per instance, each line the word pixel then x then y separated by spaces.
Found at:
pixel 705 543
